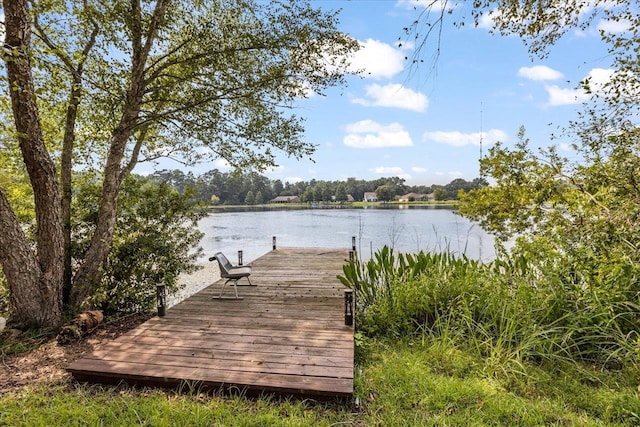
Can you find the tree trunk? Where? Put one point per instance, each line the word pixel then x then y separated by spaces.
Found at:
pixel 66 158
pixel 89 275
pixel 66 164
pixel 21 270
pixel 36 282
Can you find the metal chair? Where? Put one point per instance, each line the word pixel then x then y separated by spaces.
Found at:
pixel 231 273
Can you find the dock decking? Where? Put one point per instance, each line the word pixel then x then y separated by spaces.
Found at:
pixel 286 335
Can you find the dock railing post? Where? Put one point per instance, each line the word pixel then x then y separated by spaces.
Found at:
pixel 239 257
pixel 348 307
pixel 273 241
pixel 161 296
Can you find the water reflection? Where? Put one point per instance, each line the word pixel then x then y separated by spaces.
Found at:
pixel 410 228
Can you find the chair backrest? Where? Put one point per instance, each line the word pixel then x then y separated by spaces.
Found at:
pixel 223 262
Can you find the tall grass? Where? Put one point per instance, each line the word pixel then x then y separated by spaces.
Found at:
pixel 508 311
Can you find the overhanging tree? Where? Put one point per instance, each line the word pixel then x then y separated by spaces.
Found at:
pixel 528 182
pixel 574 222
pixel 145 79
pixel 577 220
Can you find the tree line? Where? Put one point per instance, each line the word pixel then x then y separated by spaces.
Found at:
pixel 252 188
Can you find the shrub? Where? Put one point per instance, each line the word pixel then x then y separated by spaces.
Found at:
pixel 155 240
pixel 508 311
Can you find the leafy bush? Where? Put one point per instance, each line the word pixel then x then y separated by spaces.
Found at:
pixel 155 240
pixel 508 311
pixel 396 294
pixel 576 224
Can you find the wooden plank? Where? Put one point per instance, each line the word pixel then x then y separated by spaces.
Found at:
pixel 245 347
pixel 209 377
pixel 287 334
pixel 217 353
pixel 180 328
pixel 215 363
pixel 214 337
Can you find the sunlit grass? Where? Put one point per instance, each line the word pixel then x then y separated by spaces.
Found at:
pixel 412 382
pixel 434 383
pixel 97 405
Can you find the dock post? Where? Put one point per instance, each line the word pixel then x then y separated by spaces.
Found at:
pixel 353 243
pixel 239 257
pixel 351 256
pixel 273 240
pixel 161 295
pixel 348 307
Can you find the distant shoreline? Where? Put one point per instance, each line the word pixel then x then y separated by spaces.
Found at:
pixel 337 205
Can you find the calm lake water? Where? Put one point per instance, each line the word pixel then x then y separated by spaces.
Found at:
pixel 406 229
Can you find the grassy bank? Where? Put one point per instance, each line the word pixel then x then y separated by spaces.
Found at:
pixel 441 341
pixel 398 382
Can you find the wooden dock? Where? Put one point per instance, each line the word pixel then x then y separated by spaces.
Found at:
pixel 286 335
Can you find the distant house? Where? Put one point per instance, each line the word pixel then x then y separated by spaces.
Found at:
pixel 413 196
pixel 285 199
pixel 370 197
pixel 350 198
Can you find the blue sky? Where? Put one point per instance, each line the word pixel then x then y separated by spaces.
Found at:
pixel 425 124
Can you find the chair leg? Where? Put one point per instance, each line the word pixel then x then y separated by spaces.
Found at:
pixel 250 284
pixel 222 290
pixel 235 289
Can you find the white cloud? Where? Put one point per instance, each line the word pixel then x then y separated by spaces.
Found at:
pixel 486 21
pixel 388 170
pixel 539 72
pixel 614 27
pixel 451 174
pixel 600 76
pixel 565 146
pixel 391 171
pixel 565 96
pixel 418 169
pixel 293 179
pixel 393 95
pixel 370 134
pixel 597 77
pixel 459 139
pixel 274 170
pixel 305 89
pixel 579 33
pixel 376 59
pixel 222 165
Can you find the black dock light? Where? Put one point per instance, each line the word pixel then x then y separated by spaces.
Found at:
pixel 353 243
pixel 348 307
pixel 273 240
pixel 161 295
pixel 239 257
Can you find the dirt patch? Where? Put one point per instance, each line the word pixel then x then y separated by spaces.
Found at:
pixel 47 364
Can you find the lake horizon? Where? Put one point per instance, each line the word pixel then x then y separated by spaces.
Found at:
pixel 404 228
